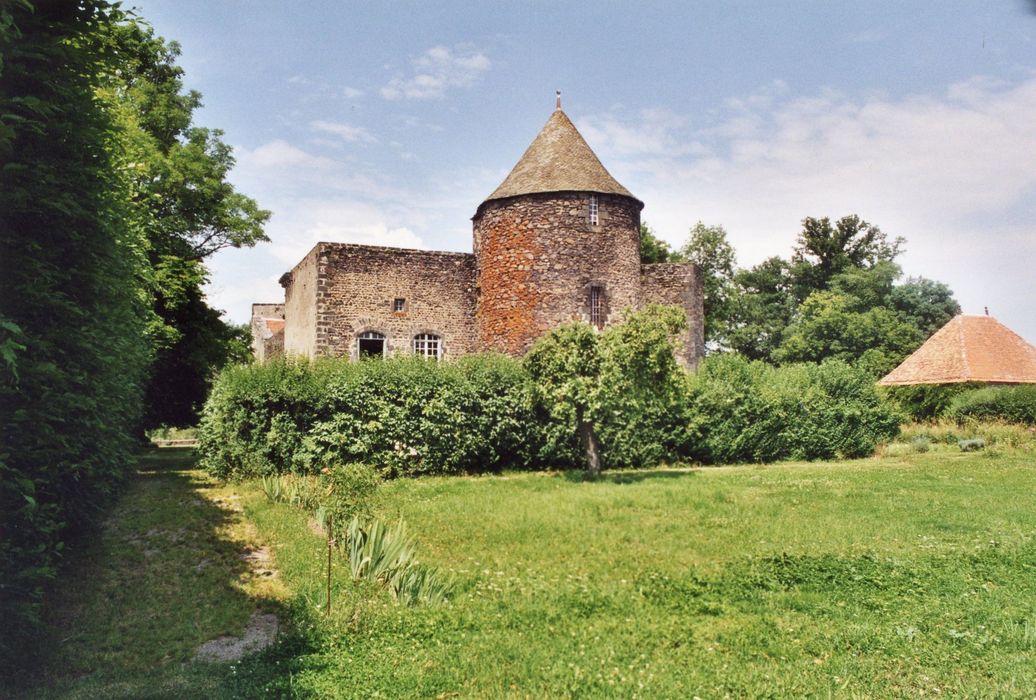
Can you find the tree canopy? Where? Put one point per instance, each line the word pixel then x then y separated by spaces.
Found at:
pixel 110 202
pixel 189 210
pixel 839 295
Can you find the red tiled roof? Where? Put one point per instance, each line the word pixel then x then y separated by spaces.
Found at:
pixel 968 349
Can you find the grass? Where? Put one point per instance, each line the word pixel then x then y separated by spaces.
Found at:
pixel 164 574
pixel 907 575
pixel 891 577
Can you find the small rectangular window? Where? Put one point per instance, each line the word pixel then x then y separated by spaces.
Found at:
pixel 597 307
pixel 399 305
pixel 593 210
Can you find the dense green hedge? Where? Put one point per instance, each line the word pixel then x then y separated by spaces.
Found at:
pixel 405 415
pixel 409 417
pixel 925 402
pixel 72 306
pixel 744 411
pixel 1012 404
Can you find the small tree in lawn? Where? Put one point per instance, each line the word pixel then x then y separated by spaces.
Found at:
pixel 620 389
pixel 565 367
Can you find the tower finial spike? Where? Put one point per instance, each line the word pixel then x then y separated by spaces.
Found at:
pixel 557 103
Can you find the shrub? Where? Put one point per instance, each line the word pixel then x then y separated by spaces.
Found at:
pixel 947 432
pixel 972 445
pixel 744 411
pixel 405 416
pixel 73 299
pixel 926 401
pixel 920 444
pixel 1011 404
pixel 348 492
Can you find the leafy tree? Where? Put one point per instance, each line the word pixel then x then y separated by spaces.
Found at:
pixel 926 304
pixel 867 287
pixel 654 249
pixel 620 390
pixel 180 187
pixel 565 367
pixel 708 248
pixel 762 307
pixel 824 250
pixel 642 390
pixel 833 325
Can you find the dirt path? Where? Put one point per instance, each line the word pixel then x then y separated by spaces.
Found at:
pixel 173 586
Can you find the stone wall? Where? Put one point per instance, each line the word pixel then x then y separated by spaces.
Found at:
pixel 538 256
pixel 300 306
pixel 679 284
pixel 358 284
pixel 265 343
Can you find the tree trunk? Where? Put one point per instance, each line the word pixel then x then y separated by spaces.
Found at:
pixel 589 440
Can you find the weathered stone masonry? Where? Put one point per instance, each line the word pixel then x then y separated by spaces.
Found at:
pixel 539 256
pixel 557 235
pixel 267 330
pixel 358 285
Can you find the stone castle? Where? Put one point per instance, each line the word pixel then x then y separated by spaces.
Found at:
pixel 557 241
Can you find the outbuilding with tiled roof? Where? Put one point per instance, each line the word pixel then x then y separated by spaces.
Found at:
pixel 968 349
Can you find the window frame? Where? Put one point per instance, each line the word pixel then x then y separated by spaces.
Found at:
pixel 371 335
pixel 594 211
pixel 424 339
pixel 597 309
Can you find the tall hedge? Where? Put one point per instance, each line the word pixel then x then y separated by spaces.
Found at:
pixel 405 415
pixel 71 300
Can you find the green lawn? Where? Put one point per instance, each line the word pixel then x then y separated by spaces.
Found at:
pixel 894 577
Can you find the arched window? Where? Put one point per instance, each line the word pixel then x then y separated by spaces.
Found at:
pixel 370 344
pixel 428 345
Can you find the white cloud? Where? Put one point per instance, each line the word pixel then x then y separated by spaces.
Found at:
pixel 280 154
pixel 352 93
pixel 302 224
pixel 347 132
pixel 946 171
pixel 434 71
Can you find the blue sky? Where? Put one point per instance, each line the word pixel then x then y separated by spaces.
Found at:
pixel 389 123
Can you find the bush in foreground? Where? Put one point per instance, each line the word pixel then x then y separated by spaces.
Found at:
pixel 618 394
pixel 407 416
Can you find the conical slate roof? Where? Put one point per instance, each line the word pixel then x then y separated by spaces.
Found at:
pixel 558 160
pixel 968 349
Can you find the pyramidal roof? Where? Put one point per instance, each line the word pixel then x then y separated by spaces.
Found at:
pixel 968 349
pixel 559 160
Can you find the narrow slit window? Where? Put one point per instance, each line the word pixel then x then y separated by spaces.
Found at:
pixel 597 307
pixel 399 305
pixel 427 345
pixel 593 210
pixel 370 344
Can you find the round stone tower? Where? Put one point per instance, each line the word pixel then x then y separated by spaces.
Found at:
pixel 558 241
